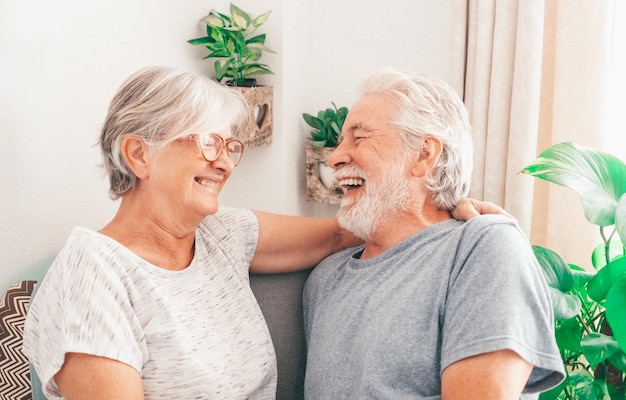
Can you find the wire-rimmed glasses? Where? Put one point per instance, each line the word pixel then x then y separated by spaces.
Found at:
pixel 213 144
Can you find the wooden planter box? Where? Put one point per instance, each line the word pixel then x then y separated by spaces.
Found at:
pixel 257 130
pixel 319 184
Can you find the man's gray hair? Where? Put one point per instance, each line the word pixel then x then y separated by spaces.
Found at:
pixel 428 106
pixel 160 104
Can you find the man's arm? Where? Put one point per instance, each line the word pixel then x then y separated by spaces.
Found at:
pixel 498 375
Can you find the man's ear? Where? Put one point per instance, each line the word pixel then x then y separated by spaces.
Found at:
pixel 136 153
pixel 427 157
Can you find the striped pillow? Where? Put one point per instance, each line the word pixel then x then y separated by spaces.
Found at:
pixel 14 369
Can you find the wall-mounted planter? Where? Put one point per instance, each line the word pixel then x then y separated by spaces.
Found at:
pixel 257 130
pixel 320 186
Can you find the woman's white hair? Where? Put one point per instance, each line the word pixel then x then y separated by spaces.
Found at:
pixel 427 106
pixel 160 104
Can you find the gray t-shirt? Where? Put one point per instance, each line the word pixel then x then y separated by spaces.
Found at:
pixel 386 327
pixel 192 334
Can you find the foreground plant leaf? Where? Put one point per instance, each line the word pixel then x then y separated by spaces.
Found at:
pixel 557 272
pixel 615 249
pixel 620 218
pixel 599 285
pixel 568 334
pixel 597 347
pixel 616 311
pixel 596 176
pixel 564 305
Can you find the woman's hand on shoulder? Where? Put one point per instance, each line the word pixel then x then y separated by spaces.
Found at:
pixel 470 208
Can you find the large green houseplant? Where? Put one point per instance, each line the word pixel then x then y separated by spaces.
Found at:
pixel 324 137
pixel 233 42
pixel 589 303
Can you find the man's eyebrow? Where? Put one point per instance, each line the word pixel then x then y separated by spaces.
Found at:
pixel 358 125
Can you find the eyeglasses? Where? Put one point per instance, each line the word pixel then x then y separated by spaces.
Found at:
pixel 213 144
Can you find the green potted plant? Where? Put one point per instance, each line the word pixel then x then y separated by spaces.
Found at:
pixel 589 303
pixel 323 139
pixel 233 42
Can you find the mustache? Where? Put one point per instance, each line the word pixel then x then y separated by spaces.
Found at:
pixel 349 171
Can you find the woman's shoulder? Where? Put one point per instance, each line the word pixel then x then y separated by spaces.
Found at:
pixel 234 230
pixel 229 218
pixel 85 241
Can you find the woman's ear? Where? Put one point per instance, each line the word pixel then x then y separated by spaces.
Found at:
pixel 427 156
pixel 136 153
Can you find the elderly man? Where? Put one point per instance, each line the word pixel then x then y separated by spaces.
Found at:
pixel 429 307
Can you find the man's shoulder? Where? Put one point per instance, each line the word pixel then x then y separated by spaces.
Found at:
pixel 490 222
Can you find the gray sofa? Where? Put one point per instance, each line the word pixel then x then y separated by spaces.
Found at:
pixel 280 298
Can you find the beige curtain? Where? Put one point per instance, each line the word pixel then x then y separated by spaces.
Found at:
pixel 532 73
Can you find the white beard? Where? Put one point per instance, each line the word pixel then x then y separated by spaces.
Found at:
pixel 364 215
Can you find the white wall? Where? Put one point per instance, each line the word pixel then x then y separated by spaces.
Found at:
pixel 63 60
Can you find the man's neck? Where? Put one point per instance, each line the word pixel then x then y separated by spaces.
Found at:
pixel 397 228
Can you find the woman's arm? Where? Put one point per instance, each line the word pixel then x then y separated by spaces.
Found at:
pixel 470 208
pixel 89 377
pixel 290 243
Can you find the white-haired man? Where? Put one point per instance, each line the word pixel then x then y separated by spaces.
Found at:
pixel 429 307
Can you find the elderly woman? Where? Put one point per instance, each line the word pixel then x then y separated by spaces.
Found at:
pixel 157 303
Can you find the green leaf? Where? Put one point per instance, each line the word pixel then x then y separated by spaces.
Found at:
pixel 256 39
pixel 620 218
pixel 586 387
pixel 598 256
pixel 239 16
pixel 604 279
pixel 616 311
pixel 227 20
pixel 597 390
pixel 596 176
pixel 565 305
pixel 252 69
pixel 213 20
pixel 202 40
pixel 221 67
pixel 581 276
pixel 554 392
pixel 318 135
pixel 313 121
pixel 259 47
pixel 221 53
pixel 319 143
pixel 568 334
pixel 557 272
pixel 597 347
pixel 616 393
pixel 619 360
pixel 260 20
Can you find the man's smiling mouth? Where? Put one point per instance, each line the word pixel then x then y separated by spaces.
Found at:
pixel 350 183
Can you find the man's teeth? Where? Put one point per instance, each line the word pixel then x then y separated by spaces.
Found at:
pixel 350 182
pixel 207 183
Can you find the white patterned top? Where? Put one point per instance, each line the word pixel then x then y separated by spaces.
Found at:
pixel 192 334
